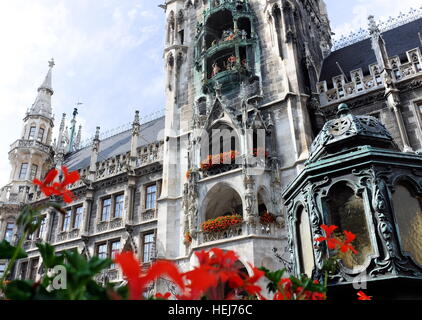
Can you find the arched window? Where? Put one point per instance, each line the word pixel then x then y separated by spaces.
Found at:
pixel 262 208
pixel 346 210
pixel 408 215
pixel 304 242
pixel 222 200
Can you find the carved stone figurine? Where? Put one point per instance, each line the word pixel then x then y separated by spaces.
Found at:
pixel 215 69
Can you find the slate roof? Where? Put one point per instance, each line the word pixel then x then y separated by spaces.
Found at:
pixel 151 132
pixel 360 55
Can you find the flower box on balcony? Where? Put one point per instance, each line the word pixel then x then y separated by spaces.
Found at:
pixel 267 218
pixel 221 223
pixel 221 159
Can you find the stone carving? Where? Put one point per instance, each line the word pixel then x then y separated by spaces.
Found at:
pixel 250 200
pixel 190 203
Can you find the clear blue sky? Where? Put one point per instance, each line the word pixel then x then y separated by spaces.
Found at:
pixel 108 55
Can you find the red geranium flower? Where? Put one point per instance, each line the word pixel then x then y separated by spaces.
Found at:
pixel 58 188
pixel 331 242
pixel 137 282
pixel 163 296
pixel 363 296
pixel 345 246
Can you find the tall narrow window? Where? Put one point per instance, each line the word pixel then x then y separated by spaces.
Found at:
pixel 66 220
pixel 102 251
pixel 31 133
pixel 114 250
pixel 278 28
pixel 34 269
pixel 105 212
pixel 151 197
pixel 23 270
pixel 34 170
pixel 347 211
pixel 408 214
pixel 77 218
pixel 23 171
pixel 40 134
pixel 2 269
pixel 118 206
pixel 148 247
pixel 43 228
pixel 8 236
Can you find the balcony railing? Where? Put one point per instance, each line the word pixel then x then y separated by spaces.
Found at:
pixel 241 230
pixel 148 215
pixel 31 144
pixel 110 275
pixel 109 225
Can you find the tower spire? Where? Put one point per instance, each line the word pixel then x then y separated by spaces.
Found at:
pixel 42 104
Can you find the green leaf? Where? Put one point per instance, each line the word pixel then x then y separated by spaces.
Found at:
pixel 50 259
pixel 30 219
pixel 19 290
pixel 273 277
pixel 7 251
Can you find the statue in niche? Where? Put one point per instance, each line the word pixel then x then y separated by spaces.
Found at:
pixel 228 35
pixel 243 34
pixel 215 69
pixel 231 62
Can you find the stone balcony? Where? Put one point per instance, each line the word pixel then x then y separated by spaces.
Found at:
pixel 33 144
pixel 109 225
pixel 243 230
pixel 68 235
pixel 109 275
pixel 148 215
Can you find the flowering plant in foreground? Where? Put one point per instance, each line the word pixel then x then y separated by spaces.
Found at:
pixel 217 276
pixel 30 217
pixel 49 187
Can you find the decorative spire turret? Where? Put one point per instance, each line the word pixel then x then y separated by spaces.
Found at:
pixel 94 154
pixel 78 138
pixel 73 130
pixel 392 93
pixel 42 104
pixel 136 128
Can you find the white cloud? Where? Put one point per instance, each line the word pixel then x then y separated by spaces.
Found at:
pixel 361 9
pixel 86 38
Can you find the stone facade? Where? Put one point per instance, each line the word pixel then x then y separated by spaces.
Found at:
pixel 254 69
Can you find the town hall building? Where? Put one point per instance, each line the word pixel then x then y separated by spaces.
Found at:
pixel 265 119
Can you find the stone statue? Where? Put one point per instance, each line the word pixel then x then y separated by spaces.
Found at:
pixel 215 69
